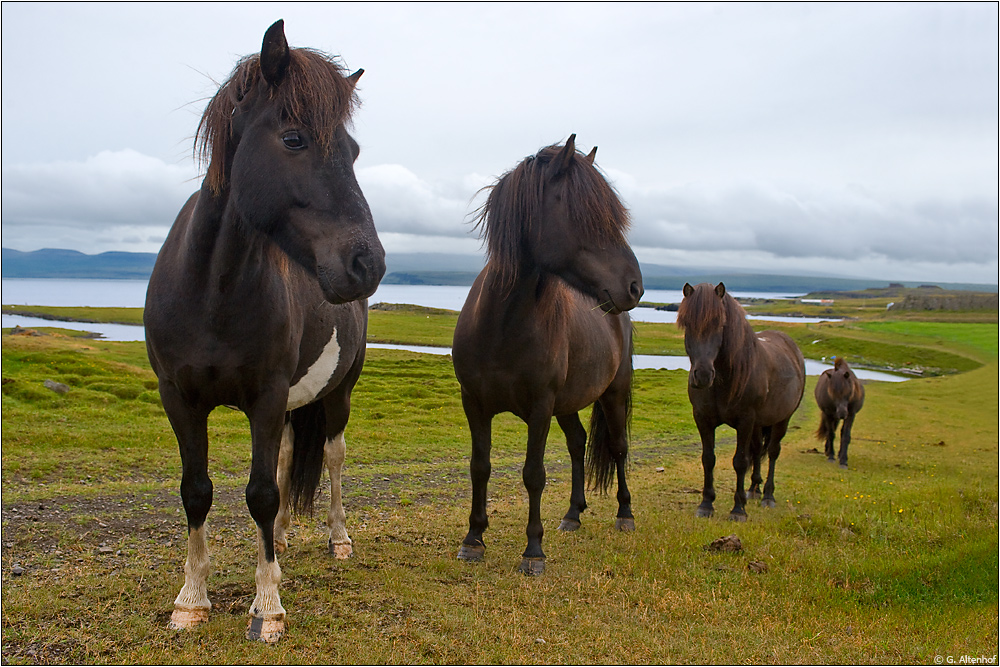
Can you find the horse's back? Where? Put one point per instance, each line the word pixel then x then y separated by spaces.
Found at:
pixel 786 375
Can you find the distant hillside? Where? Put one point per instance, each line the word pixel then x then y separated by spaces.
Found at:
pixel 55 263
pixel 442 269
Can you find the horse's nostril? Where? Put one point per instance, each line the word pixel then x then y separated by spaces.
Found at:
pixel 635 290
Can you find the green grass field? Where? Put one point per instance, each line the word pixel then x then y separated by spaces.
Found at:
pixel 892 561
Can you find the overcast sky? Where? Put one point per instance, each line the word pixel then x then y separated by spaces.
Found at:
pixel 853 139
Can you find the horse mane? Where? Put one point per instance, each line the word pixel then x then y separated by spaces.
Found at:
pixel 703 312
pixel 514 204
pixel 315 93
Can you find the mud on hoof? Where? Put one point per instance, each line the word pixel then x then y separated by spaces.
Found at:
pixel 569 525
pixel 341 550
pixel 474 553
pixel 625 524
pixel 267 630
pixel 186 618
pixel 531 567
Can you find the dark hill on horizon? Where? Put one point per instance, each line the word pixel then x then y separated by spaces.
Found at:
pixel 443 269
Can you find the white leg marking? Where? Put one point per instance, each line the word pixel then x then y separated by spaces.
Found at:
pixel 284 518
pixel 267 616
pixel 336 519
pixel 192 604
pixel 318 375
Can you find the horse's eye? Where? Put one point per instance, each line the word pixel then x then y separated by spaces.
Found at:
pixel 293 140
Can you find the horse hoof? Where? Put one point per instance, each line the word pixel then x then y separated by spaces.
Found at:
pixel 186 618
pixel 340 551
pixel 753 495
pixel 843 466
pixel 768 503
pixel 704 513
pixel 569 525
pixel 531 567
pixel 625 524
pixel 740 518
pixel 830 459
pixel 267 630
pixel 472 554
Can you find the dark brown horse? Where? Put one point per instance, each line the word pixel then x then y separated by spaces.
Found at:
pixel 751 382
pixel 543 333
pixel 258 300
pixel 840 395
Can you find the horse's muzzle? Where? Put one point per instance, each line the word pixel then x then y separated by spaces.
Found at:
pixel 356 277
pixel 701 378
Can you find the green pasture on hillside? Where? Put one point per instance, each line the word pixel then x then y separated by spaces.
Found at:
pixel 892 561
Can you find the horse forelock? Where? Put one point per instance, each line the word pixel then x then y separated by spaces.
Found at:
pixel 515 201
pixel 314 93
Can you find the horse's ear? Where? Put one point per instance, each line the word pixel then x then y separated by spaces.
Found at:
pixel 592 154
pixel 274 54
pixel 565 157
pixel 354 77
pixel 720 289
pixel 688 290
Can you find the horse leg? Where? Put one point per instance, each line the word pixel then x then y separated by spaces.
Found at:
pixel 707 431
pixel 741 459
pixel 756 454
pixel 533 475
pixel 339 543
pixel 845 438
pixel 830 422
pixel 190 425
pixel 576 442
pixel 616 407
pixel 473 548
pixel 284 518
pixel 267 616
pixel 773 451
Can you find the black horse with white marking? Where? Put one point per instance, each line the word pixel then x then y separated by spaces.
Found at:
pixel 258 300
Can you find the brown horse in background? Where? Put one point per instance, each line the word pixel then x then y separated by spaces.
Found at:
pixel 543 333
pixel 751 382
pixel 839 395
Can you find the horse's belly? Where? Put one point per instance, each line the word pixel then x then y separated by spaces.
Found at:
pixel 317 376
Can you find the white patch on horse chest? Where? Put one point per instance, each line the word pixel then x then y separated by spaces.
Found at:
pixel 318 375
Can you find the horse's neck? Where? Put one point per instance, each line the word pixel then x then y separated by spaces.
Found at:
pixel 531 296
pixel 225 257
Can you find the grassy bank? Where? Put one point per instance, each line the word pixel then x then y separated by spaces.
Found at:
pixel 894 560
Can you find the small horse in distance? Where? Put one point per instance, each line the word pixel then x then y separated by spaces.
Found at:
pixel 839 395
pixel 258 300
pixel 751 382
pixel 544 333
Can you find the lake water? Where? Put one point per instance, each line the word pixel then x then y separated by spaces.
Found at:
pixel 132 294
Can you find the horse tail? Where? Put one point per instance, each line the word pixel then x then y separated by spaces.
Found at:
pixel 309 434
pixel 824 429
pixel 601 464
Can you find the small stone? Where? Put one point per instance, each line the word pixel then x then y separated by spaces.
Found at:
pixel 57 387
pixel 17 570
pixel 660 469
pixel 105 550
pixel 539 641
